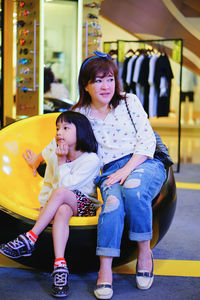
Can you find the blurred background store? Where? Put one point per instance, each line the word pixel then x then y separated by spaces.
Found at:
pixel 59 34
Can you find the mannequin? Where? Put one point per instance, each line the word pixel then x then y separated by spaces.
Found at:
pixel 190 120
pixel 189 82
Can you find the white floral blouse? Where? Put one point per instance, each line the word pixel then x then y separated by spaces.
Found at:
pixel 116 135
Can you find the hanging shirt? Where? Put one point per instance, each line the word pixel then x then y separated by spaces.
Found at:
pixel 137 68
pixel 129 69
pixel 153 93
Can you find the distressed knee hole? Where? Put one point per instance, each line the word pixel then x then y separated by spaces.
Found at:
pixel 138 195
pixel 112 203
pixel 132 183
pixel 139 171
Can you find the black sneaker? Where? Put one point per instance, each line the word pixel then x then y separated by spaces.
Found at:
pixel 60 286
pixel 20 246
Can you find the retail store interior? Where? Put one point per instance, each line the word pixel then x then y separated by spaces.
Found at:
pixel 57 35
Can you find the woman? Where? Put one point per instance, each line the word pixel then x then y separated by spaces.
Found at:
pixel 130 178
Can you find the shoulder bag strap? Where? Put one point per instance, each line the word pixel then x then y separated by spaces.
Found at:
pixel 129 113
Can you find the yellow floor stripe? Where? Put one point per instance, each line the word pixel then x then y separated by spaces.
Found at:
pixel 186 268
pixel 190 186
pixel 164 267
pixel 6 262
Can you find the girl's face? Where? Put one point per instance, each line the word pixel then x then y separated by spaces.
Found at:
pixel 66 134
pixel 102 89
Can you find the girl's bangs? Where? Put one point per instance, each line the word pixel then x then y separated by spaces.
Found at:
pixel 63 118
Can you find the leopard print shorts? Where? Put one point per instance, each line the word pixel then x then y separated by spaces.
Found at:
pixel 85 206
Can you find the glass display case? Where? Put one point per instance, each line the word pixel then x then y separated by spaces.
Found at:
pixel 60 42
pixel 38 34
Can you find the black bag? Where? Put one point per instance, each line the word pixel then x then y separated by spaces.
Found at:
pixel 161 152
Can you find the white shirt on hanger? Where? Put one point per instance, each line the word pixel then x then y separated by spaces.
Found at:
pixel 153 94
pixel 129 69
pixel 137 68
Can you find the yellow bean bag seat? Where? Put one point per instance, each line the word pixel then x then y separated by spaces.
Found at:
pixel 19 191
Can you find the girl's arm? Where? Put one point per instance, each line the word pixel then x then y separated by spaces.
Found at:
pixel 33 160
pixel 51 180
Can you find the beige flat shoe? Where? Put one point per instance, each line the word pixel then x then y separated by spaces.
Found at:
pixel 144 278
pixel 103 291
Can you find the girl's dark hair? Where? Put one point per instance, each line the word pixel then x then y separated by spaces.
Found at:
pixel 88 74
pixel 48 79
pixel 86 141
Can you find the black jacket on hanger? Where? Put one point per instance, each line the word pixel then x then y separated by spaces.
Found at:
pixel 124 73
pixel 163 69
pixel 143 80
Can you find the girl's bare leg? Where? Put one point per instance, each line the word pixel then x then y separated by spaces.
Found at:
pixel 58 197
pixel 60 229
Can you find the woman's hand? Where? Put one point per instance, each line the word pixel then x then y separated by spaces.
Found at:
pixel 33 160
pixel 119 176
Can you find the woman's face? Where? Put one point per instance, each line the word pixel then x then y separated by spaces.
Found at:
pixel 102 89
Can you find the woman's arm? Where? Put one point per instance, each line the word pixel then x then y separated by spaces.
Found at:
pixel 146 141
pixel 145 145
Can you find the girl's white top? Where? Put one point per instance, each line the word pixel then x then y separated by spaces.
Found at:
pixel 76 175
pixel 116 135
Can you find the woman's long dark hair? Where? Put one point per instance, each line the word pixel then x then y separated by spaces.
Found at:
pixel 88 74
pixel 86 141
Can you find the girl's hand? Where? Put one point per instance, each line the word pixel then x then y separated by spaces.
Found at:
pixel 62 149
pixel 33 160
pixel 119 176
pixel 61 152
pixel 39 209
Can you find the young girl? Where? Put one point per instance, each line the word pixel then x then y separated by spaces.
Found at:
pixel 68 190
pixel 131 176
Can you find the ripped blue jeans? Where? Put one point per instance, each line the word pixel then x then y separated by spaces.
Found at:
pixel 132 200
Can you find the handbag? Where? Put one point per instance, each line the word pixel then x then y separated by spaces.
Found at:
pixel 161 152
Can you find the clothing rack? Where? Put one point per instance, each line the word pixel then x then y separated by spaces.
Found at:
pixel 156 44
